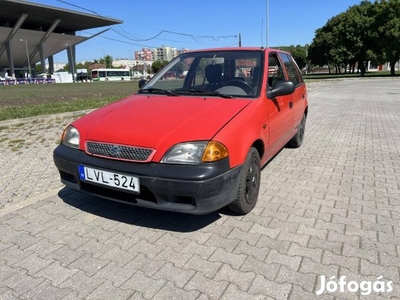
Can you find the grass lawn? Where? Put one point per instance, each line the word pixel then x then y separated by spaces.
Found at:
pixel 21 101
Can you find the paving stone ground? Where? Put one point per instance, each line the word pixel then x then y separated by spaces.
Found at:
pixel 330 209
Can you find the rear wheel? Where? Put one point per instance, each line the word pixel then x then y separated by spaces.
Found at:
pixel 249 184
pixel 297 140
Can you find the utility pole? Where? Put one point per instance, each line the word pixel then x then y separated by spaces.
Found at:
pixel 240 40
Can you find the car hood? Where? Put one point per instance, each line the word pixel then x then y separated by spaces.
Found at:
pixel 158 121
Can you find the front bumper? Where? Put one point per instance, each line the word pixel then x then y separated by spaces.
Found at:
pixel 179 188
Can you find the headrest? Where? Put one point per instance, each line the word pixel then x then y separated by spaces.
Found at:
pixel 214 73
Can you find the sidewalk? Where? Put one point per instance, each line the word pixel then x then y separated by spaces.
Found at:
pixel 26 160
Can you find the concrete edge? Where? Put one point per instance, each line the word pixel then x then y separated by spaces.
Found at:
pixel 13 207
pixel 44 117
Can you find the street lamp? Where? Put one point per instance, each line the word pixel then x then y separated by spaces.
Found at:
pixel 27 56
pixel 104 57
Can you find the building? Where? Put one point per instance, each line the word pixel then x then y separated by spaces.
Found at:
pixel 31 33
pixel 145 54
pixel 164 53
pixel 123 63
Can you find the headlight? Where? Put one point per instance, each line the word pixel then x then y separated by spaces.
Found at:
pixel 194 153
pixel 186 153
pixel 70 137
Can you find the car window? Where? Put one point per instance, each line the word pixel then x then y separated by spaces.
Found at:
pixel 275 70
pixel 292 69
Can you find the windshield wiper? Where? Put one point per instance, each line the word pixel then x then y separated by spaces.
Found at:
pixel 207 93
pixel 158 91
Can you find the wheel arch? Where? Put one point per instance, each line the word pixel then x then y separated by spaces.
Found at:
pixel 260 147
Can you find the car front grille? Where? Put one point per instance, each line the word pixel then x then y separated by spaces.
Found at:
pixel 119 152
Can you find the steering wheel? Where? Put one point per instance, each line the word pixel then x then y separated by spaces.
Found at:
pixel 241 84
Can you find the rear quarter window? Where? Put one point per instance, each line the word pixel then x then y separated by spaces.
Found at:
pixel 292 69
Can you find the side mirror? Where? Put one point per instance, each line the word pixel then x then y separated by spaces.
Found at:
pixel 281 88
pixel 142 82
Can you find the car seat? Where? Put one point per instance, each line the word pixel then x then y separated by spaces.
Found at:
pixel 214 75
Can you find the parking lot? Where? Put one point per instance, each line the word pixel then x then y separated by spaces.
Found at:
pixel 327 221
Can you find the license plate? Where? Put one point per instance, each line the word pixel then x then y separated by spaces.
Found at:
pixel 116 180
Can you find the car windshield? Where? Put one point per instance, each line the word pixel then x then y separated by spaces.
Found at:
pixel 227 73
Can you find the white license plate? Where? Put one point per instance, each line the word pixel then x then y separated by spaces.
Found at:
pixel 116 180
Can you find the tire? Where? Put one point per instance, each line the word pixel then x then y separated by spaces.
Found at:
pixel 298 138
pixel 249 184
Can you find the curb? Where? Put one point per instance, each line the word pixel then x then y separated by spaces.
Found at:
pixel 12 207
pixel 44 117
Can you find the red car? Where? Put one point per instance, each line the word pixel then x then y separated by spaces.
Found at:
pixel 194 138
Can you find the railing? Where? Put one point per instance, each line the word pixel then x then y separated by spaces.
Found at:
pixel 26 81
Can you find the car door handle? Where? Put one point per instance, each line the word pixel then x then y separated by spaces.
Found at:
pixel 290 104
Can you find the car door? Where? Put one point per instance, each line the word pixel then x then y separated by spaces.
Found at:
pixel 299 96
pixel 280 118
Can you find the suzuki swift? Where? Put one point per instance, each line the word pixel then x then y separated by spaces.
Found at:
pixel 195 137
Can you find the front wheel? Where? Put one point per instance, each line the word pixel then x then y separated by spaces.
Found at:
pixel 249 184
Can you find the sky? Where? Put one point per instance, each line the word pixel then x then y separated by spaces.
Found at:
pixel 198 24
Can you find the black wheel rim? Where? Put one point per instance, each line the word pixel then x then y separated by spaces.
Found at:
pixel 252 180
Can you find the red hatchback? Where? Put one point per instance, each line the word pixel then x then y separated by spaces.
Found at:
pixel 195 137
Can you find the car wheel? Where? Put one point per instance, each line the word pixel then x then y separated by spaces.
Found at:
pixel 249 184
pixel 298 138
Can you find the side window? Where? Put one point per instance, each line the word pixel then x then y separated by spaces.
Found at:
pixel 275 70
pixel 292 69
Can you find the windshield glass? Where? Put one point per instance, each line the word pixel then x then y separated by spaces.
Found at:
pixel 227 73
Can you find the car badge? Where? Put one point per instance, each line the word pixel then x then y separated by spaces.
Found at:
pixel 114 150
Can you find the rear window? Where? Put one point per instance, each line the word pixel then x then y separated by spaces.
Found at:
pixel 292 69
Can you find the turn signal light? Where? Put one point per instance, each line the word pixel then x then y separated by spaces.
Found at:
pixel 214 151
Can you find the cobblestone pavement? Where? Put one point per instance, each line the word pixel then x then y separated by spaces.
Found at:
pixel 26 159
pixel 329 208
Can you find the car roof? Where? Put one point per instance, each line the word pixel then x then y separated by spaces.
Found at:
pixel 238 49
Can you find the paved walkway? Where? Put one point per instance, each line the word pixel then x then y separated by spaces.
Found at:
pixel 330 208
pixel 26 159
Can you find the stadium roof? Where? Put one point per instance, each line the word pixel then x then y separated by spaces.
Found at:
pixel 52 29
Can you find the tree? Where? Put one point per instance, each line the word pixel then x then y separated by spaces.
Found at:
pixel 299 54
pixel 158 65
pixel 367 31
pixel 387 32
pixel 319 50
pixel 107 61
pixel 356 29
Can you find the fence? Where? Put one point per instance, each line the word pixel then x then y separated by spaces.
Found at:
pixel 26 81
